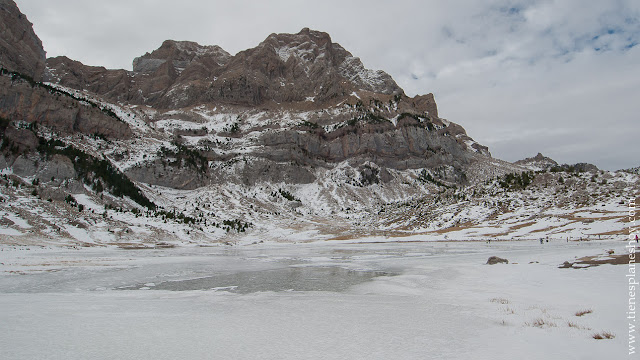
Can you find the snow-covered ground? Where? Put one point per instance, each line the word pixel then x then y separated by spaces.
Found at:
pixel 322 300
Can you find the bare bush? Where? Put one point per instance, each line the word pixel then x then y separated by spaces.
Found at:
pixel 603 335
pixel 584 312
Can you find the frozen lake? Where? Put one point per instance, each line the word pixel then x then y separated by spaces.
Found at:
pixel 435 300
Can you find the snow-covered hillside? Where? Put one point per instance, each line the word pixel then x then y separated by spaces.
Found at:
pixel 292 140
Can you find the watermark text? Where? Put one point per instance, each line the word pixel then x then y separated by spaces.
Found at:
pixel 631 276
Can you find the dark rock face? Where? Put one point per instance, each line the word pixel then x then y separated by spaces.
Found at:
pixel 182 55
pixel 268 171
pixel 114 84
pixel 56 169
pixel 285 68
pixel 20 49
pixel 422 103
pixel 585 167
pixel 294 67
pixel 20 140
pixel 23 166
pixel 407 147
pixel 174 177
pixel 21 101
pixel 22 98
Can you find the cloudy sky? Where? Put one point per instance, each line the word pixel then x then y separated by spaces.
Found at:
pixel 522 77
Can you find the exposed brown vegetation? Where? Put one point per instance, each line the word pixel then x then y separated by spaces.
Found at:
pixel 584 312
pixel 574 325
pixel 603 335
pixel 540 323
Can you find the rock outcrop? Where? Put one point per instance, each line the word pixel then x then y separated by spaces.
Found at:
pixel 543 163
pixel 113 84
pixel 538 162
pixel 20 48
pixel 296 67
pixel 24 99
pixel 582 167
pixel 183 55
pixel 493 260
pixel 57 168
pixel 398 147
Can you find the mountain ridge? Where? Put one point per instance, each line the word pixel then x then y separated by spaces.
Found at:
pixel 284 68
pixel 292 138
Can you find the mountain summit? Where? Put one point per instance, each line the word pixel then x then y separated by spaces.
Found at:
pixel 284 68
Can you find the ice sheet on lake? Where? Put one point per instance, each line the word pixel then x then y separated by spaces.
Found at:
pixel 432 300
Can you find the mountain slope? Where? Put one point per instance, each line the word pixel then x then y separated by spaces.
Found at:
pixel 291 140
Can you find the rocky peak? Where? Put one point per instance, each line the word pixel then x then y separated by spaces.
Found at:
pixel 20 48
pixel 302 67
pixel 538 162
pixel 312 54
pixel 312 38
pixel 539 157
pixel 422 103
pixel 307 46
pixel 180 54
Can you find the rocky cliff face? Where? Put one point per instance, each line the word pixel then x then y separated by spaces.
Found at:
pixel 297 67
pixel 285 68
pixel 112 84
pixel 20 49
pixel 24 99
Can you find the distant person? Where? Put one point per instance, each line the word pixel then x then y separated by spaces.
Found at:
pixel 636 238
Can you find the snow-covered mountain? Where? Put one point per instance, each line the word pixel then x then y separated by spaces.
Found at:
pixel 291 140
